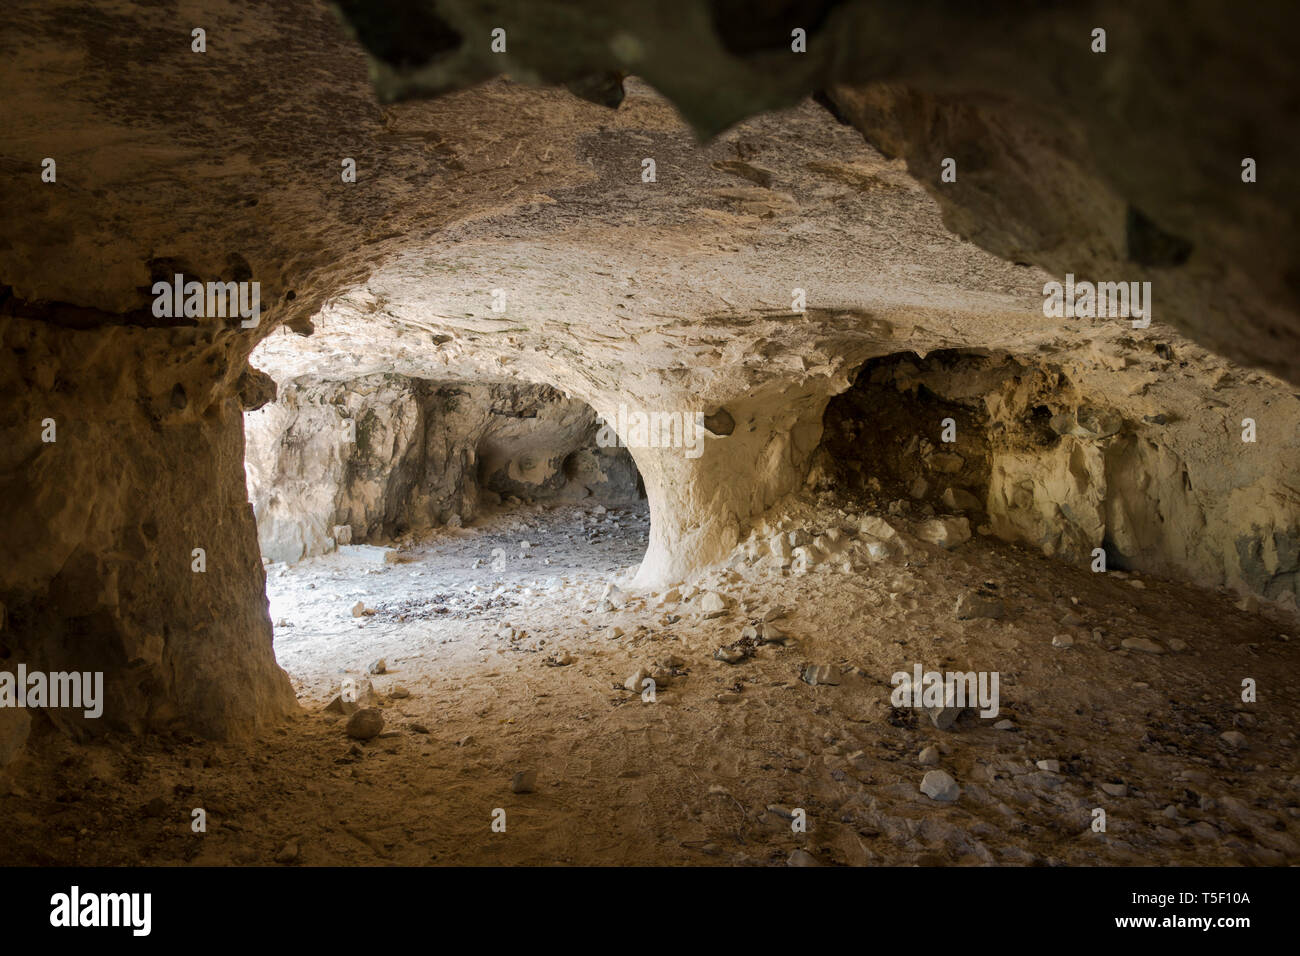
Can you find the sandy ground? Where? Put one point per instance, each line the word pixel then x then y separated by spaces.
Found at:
pixel 715 769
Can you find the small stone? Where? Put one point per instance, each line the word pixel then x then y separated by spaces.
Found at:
pixel 818 674
pixel 1115 789
pixel 928 757
pixel 945 532
pixel 877 527
pixel 732 655
pixel 340 706
pixel 1052 766
pixel 399 693
pixel 939 785
pixel 945 463
pixel 1234 739
pixel 1141 644
pixel 612 598
pixel 979 603
pixel 801 858
pixel 1135 583
pixel 365 724
pixel 359 609
pixel 525 781
pixel 635 682
pixel 418 728
pixel 378 667
pixel 1063 640
pixel 712 601
pixel 288 853
pixel 1176 645
pixel 1004 725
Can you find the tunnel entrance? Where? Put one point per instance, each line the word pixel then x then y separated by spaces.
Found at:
pixel 404 522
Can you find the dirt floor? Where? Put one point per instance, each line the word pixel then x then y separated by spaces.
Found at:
pixel 501 659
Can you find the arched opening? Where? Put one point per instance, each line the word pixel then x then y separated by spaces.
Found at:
pixel 402 519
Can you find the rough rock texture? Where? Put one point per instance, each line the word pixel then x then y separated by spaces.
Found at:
pixel 97 564
pixel 1130 448
pixel 673 294
pixel 426 454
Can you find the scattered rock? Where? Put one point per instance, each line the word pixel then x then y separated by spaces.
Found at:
pixel 928 757
pixel 1063 640
pixel 378 667
pixel 1141 644
pixel 939 785
pixel 734 654
pixel 612 599
pixel 946 463
pixel 801 857
pixel 288 853
pixel 365 724
pixel 877 527
pixel 1234 739
pixel 525 781
pixel 711 602
pixel 1053 766
pixel 399 693
pixel 945 532
pixel 979 603
pixel 359 609
pixel 818 674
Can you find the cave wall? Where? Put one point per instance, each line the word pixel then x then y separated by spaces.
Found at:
pixel 97 563
pixel 1068 455
pixel 425 454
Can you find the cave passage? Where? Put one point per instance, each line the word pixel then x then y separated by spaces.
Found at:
pixel 362 568
pixel 399 518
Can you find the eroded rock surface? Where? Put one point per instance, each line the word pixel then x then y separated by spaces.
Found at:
pixel 386 456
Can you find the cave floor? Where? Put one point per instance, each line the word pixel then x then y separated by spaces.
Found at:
pixel 711 771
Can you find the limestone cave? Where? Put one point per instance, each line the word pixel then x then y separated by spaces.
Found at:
pixel 569 433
